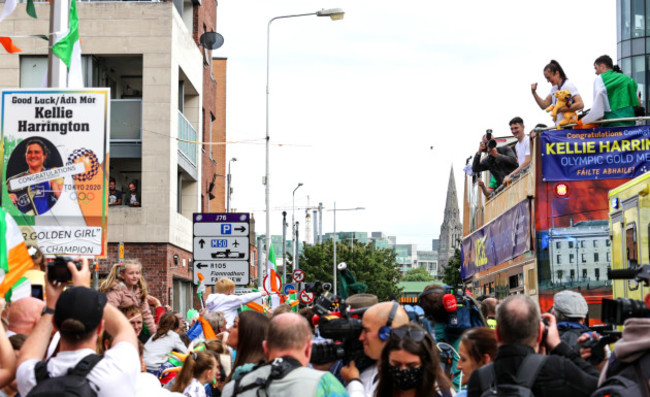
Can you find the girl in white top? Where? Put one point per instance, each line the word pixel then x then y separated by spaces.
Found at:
pixel 199 368
pixel 163 342
pixel 555 75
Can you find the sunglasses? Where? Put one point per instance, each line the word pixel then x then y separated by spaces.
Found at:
pixel 415 334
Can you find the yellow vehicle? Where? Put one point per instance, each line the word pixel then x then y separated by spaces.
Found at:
pixel 629 214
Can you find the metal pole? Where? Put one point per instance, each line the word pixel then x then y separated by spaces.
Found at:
pixel 315 215
pixel 228 191
pixel 284 246
pixel 267 192
pixel 296 260
pixel 260 256
pixel 334 240
pixel 320 223
pixel 57 72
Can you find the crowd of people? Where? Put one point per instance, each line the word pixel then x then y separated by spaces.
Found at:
pixel 78 338
pixel 616 96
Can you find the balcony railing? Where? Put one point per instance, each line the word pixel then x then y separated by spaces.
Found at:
pixel 187 137
pixel 126 120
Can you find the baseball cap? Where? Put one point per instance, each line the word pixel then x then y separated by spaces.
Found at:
pixel 82 304
pixel 571 304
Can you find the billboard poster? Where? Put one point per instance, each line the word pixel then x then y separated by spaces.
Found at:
pixel 54 162
pixel 505 238
pixel 595 154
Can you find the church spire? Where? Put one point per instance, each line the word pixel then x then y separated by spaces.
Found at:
pixel 451 229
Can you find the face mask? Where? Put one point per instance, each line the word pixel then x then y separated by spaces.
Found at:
pixel 405 379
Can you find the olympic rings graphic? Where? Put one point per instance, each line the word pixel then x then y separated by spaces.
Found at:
pixel 82 197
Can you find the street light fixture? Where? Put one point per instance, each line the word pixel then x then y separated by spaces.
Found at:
pixel 293 226
pixel 335 14
pixel 334 238
pixel 229 188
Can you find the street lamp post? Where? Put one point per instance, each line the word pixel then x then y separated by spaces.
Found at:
pixel 334 238
pixel 293 225
pixel 229 188
pixel 334 14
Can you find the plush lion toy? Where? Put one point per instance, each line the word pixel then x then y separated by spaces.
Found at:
pixel 563 99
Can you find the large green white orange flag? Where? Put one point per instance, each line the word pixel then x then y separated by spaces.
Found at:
pixel 14 258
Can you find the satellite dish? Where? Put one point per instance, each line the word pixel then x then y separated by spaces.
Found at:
pixel 211 40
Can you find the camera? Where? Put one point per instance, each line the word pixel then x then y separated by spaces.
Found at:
pixel 342 329
pixel 57 270
pixel 491 144
pixel 616 311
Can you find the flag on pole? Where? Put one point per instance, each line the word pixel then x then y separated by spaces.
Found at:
pixel 68 49
pixel 14 258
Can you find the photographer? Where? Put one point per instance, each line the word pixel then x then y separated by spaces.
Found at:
pixel 79 314
pixel 377 323
pixel 500 161
pixel 570 309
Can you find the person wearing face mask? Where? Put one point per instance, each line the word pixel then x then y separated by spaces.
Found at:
pixel 410 365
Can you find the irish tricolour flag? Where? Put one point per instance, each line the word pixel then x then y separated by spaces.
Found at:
pixel 68 49
pixel 615 96
pixel 14 258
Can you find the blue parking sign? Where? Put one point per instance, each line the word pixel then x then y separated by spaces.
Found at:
pixel 226 228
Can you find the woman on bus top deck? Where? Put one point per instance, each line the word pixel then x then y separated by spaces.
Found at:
pixel 555 75
pixel 126 287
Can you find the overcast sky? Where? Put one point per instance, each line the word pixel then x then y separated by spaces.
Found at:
pixel 357 104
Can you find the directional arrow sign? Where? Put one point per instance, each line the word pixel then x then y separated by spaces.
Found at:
pixel 232 248
pixel 222 247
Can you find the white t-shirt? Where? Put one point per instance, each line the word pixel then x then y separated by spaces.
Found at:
pixel 566 86
pixel 194 389
pixel 523 149
pixel 367 386
pixel 155 351
pixel 114 376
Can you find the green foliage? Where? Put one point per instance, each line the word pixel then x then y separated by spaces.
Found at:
pixel 375 267
pixel 418 274
pixel 452 270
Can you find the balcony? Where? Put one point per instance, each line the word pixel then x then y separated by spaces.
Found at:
pixel 186 146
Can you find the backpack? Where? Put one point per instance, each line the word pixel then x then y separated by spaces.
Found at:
pixel 626 379
pixel 72 384
pixel 468 315
pixel 524 380
pixel 280 367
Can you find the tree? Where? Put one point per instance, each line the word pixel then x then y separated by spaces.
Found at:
pixel 417 274
pixel 377 268
pixel 452 270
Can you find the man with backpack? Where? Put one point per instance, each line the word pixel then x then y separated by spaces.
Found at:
pixel 79 314
pixel 519 370
pixel 288 349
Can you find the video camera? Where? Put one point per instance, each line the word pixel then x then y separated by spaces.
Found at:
pixel 618 310
pixel 342 328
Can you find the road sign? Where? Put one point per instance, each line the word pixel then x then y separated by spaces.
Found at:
pixel 288 288
pixel 266 284
pixel 306 297
pixel 298 275
pixel 222 247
